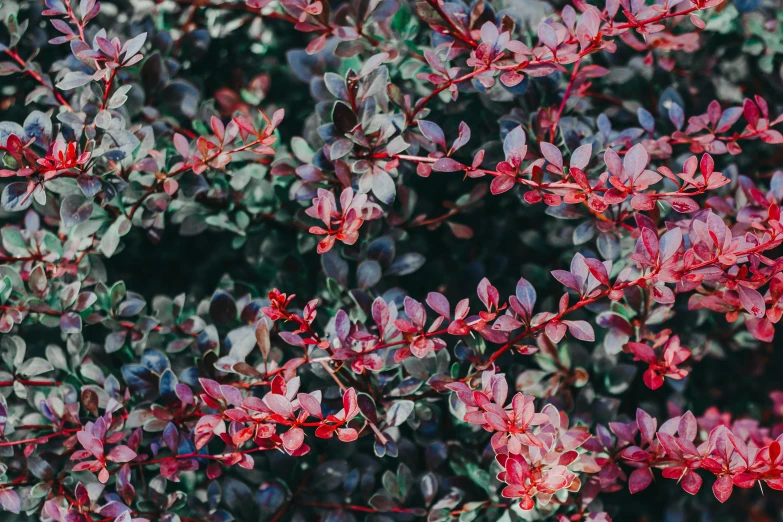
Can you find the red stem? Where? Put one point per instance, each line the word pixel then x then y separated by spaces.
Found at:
pixel 553 129
pixel 23 64
pixel 456 32
pixel 584 302
pixel 196 456
pixel 184 169
pixel 26 382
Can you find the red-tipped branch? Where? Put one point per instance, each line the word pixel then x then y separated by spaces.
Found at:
pixel 26 69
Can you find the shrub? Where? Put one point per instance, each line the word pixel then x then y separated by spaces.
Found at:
pixel 386 260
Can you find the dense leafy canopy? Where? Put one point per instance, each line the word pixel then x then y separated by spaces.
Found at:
pixel 390 260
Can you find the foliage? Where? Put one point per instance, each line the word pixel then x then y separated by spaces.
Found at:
pixel 228 290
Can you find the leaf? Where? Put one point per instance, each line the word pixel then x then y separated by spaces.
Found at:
pixel 240 342
pixel 691 482
pixel 406 264
pixel 383 187
pixel 687 427
pixel 433 132
pixel 9 499
pixel 38 125
pixel 598 270
pixel 722 488
pixel 552 154
pixel 635 160
pixel 752 301
pixel 548 35
pixel 35 366
pixel 462 138
pixel 75 209
pixel 676 115
pixel 398 413
pixel 514 141
pixel 502 184
pixel 368 274
pixel 429 487
pixel 582 330
pixel 646 119
pixel 372 63
pixel 762 329
pixel 684 205
pixel 7 128
pixel 447 165
pixel 262 338
pixel 222 308
pixel 439 304
pixel 729 118
pixel 121 453
pixel 580 158
pixel 134 45
pixel 669 244
pixel 526 295
pixel 279 404
pixel 639 480
pixel 16 197
pixel 73 80
pixel 119 97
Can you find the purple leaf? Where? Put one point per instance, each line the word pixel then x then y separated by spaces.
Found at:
pixel 548 35
pixel 552 154
pixel 526 295
pixel 433 132
pixel 439 304
pixel 580 158
pixel 514 141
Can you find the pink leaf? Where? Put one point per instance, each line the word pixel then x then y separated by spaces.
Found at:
pixel 636 160
pixel 548 35
pixel 292 439
pixel 647 425
pixel 752 301
pixel 9 499
pixel 121 453
pixel 279 404
pixel 350 404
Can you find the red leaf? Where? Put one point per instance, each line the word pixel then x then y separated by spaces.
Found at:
pixel 722 488
pixel 684 205
pixel 691 482
pixel 639 480
pixel 502 184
